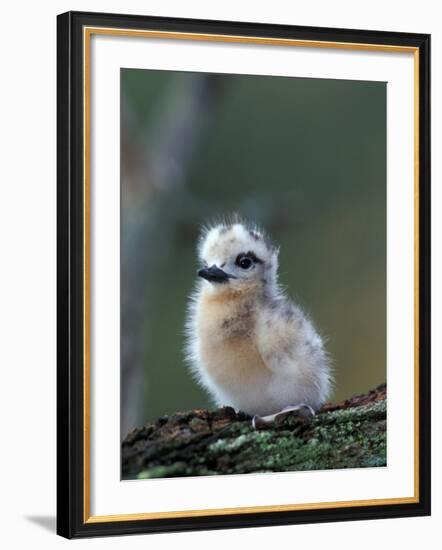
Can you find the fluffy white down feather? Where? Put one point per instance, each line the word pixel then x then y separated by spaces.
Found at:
pixel 248 345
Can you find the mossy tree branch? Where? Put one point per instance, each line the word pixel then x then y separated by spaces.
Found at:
pixel 351 434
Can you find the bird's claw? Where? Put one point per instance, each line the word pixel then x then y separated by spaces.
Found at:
pixel 304 410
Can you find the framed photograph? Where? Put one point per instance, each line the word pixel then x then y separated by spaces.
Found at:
pixel 243 274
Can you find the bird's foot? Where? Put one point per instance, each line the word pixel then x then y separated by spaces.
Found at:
pixel 302 408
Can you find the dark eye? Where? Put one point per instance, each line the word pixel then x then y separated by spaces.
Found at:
pixel 244 262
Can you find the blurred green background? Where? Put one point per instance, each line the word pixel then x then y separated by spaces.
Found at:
pixel 305 158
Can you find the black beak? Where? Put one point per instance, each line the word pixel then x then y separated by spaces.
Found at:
pixel 214 274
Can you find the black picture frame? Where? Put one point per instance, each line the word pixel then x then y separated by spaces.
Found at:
pixel 71 520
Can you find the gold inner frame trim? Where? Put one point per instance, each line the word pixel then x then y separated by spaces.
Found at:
pixel 87 33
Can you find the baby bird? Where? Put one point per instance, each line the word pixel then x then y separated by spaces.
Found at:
pixel 248 345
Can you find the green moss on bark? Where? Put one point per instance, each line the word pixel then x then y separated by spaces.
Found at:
pixel 351 434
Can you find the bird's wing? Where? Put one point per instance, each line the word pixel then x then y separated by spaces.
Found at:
pixel 285 336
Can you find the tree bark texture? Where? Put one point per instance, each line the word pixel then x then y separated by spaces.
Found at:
pixel 350 434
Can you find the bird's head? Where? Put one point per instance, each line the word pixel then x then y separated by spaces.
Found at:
pixel 237 257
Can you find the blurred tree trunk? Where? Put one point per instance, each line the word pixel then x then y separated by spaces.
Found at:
pixel 154 163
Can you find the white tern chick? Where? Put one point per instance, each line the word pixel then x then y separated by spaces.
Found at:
pixel 248 345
